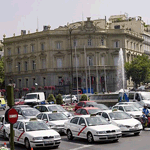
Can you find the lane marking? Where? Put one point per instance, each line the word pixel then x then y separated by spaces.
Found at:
pixel 84 146
pixel 81 130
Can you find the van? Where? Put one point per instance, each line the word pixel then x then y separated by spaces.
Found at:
pixel 141 97
pixel 34 98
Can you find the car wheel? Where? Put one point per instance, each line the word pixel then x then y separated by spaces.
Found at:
pixel 4 134
pixel 69 135
pixel 27 144
pixel 137 133
pixel 90 137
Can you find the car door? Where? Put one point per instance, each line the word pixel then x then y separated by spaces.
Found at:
pixel 81 128
pixel 15 126
pixel 74 126
pixel 1 124
pixel 20 133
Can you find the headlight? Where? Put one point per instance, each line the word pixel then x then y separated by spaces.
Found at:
pixel 38 138
pixel 57 136
pixel 101 132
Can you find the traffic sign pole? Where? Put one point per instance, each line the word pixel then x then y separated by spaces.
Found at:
pixel 10 99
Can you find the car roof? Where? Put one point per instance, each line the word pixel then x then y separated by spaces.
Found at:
pixel 48 105
pixel 22 106
pixel 122 105
pixel 85 116
pixel 50 112
pixel 86 101
pixel 109 111
pixel 88 108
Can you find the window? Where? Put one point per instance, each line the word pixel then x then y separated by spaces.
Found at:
pixel 116 44
pixel 33 81
pixel 9 67
pixel 42 46
pixel 44 109
pixel 44 117
pixel 26 65
pixel 134 46
pixel 131 45
pixel 105 116
pixel 33 65
pixel 115 60
pixel 74 120
pixel 74 43
pixel 117 27
pixel 89 42
pixel 80 104
pixel 25 49
pixel 121 108
pixel 39 116
pixel 103 60
pixel 102 41
pixel 19 66
pixel 83 111
pixel 38 108
pixel 19 83
pixel 18 50
pixel 60 80
pixel 81 121
pixel 58 45
pixel 76 62
pixel 9 52
pixel 16 124
pixel 59 62
pixel 43 63
pixel 44 81
pixel 26 82
pixel 131 96
pixel 90 60
pixel 21 126
pixel 32 48
pixel 78 111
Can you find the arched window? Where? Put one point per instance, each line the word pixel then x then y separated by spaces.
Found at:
pixel 59 62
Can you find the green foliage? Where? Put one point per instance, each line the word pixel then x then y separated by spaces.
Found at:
pixel 138 69
pixel 84 98
pixel 51 98
pixel 95 92
pixel 119 19
pixel 59 99
pixel 1 70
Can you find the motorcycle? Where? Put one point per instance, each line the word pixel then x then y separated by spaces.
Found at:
pixel 147 123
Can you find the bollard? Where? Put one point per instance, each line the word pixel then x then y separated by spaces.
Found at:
pixel 5 144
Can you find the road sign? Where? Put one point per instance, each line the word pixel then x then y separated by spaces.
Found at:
pixel 12 116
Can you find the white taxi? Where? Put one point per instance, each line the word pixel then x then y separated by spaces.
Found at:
pixel 54 120
pixel 35 134
pixel 92 128
pixel 124 121
pixel 4 125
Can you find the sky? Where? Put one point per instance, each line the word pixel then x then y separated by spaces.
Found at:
pixel 17 15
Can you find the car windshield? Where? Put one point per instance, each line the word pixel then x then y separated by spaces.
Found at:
pixel 119 116
pixel 137 105
pixel 91 103
pixel 36 125
pixel 31 96
pixel 93 111
pixel 102 107
pixel 30 112
pixel 56 108
pixel 57 116
pixel 130 108
pixel 145 95
pixel 95 121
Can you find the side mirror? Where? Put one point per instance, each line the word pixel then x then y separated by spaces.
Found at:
pixel 82 124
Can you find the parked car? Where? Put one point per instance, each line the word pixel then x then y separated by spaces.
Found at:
pixel 131 110
pixel 34 133
pixel 124 121
pixel 55 120
pixel 87 110
pixel 51 108
pixel 67 98
pixel 100 106
pixel 82 104
pixel 92 128
pixel 19 101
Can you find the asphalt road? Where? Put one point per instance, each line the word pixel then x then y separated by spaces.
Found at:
pixel 125 143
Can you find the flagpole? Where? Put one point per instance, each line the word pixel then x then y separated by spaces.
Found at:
pixel 76 73
pixel 105 79
pixel 85 68
pixel 89 79
pixel 97 74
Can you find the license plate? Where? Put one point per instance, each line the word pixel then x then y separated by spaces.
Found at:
pixel 48 142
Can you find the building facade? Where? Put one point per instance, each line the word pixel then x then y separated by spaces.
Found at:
pixel 42 60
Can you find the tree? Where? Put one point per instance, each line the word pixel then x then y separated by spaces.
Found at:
pixel 84 98
pixel 51 98
pixel 59 99
pixel 1 71
pixel 138 69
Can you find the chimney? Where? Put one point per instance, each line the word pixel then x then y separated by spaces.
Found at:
pixel 88 18
pixel 23 32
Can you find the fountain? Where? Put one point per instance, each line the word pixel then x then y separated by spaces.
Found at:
pixel 120 72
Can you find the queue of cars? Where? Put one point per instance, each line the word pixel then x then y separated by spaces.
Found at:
pixel 42 125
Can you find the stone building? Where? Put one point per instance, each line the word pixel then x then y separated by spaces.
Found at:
pixel 42 60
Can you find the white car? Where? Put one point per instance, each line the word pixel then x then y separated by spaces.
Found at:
pixel 54 120
pixel 4 125
pixel 137 105
pixel 92 128
pixel 35 134
pixel 53 107
pixel 124 121
pixel 67 98
pixel 130 109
